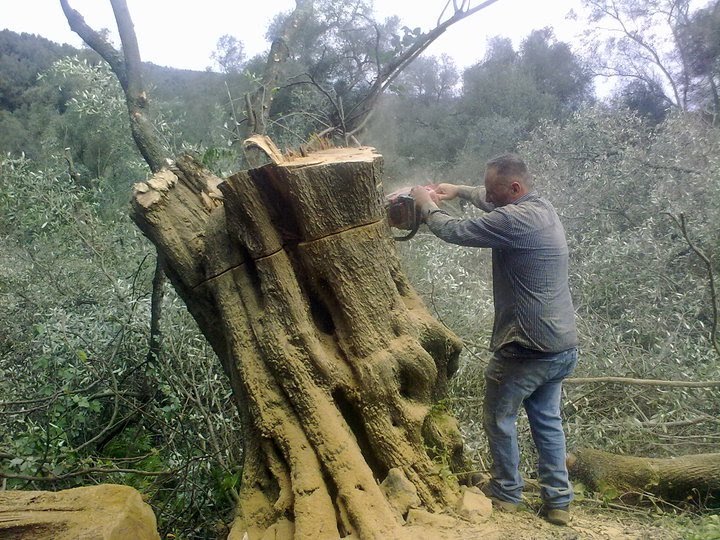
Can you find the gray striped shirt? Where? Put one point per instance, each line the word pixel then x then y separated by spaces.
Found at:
pixel 533 307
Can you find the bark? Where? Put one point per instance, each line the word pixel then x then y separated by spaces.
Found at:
pixel 335 364
pixel 679 479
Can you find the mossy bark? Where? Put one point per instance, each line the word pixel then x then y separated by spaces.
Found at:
pixel 679 479
pixel 292 275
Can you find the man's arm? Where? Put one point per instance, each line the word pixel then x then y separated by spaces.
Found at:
pixel 490 230
pixel 447 192
pixel 474 194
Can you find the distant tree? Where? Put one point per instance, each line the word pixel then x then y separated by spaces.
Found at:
pixel 429 79
pixel 22 57
pixel 229 54
pixel 556 70
pixel 700 36
pixel 544 79
pixel 516 90
pixel 671 46
pixel 345 57
pixel 416 126
pixel 646 100
pixel 437 129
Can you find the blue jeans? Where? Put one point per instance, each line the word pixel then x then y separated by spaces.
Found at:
pixel 535 381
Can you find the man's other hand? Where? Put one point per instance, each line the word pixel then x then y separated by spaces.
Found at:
pixel 446 192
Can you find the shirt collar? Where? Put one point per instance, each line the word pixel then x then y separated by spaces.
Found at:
pixel 530 195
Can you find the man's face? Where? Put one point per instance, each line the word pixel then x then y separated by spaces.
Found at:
pixel 498 192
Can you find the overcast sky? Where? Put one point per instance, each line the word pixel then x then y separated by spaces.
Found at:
pixel 183 33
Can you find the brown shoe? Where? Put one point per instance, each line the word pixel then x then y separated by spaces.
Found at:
pixel 556 516
pixel 499 504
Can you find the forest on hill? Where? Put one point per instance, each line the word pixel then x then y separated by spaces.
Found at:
pixel 87 396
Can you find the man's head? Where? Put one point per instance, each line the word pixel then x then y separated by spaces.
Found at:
pixel 506 179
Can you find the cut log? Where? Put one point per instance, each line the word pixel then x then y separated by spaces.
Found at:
pixel 104 512
pixel 681 479
pixel 335 363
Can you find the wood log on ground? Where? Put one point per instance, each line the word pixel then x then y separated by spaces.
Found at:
pixel 335 363
pixel 104 512
pixel 688 478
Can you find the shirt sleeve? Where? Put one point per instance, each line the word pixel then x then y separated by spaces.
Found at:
pixel 493 230
pixel 476 195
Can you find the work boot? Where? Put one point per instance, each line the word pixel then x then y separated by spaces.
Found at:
pixel 499 504
pixel 556 516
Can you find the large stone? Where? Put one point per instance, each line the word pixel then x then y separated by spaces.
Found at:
pixel 400 492
pixel 473 505
pixel 417 516
pixel 104 512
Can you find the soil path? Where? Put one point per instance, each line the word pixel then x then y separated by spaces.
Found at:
pixel 587 523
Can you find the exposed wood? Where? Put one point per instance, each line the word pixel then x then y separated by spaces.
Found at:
pixel 106 512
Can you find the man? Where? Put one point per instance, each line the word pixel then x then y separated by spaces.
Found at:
pixel 534 339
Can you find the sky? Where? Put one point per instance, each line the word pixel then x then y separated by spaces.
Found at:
pixel 183 33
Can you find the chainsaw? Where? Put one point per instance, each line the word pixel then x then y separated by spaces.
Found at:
pixel 402 212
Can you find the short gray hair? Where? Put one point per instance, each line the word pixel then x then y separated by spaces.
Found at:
pixel 511 167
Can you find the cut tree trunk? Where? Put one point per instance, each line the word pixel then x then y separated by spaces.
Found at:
pixel 680 479
pixel 335 364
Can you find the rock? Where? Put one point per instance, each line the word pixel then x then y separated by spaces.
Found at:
pixel 400 492
pixel 479 479
pixel 104 512
pixel 473 505
pixel 426 519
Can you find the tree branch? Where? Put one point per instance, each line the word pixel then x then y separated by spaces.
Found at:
pixel 156 306
pixel 358 115
pixel 96 42
pixel 642 382
pixel 682 225
pixel 128 69
pixel 81 472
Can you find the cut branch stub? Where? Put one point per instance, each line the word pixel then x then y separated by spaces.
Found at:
pixel 333 359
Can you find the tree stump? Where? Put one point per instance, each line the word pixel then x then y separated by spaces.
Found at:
pixel 335 364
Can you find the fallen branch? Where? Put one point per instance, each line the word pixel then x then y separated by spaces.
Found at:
pixel 643 382
pixel 679 479
pixel 92 470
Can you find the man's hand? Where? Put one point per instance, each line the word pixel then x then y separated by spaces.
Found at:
pixel 446 192
pixel 422 195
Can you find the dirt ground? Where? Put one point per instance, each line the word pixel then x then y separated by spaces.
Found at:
pixel 587 523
